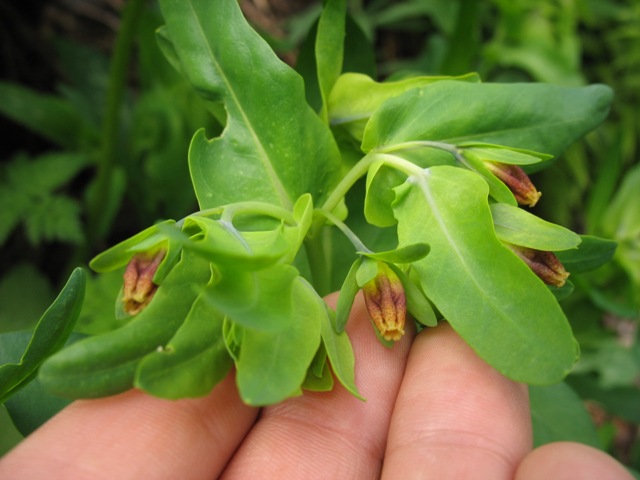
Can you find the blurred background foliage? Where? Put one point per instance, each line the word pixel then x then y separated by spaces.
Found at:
pixel 97 126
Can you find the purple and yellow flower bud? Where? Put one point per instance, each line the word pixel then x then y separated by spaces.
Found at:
pixel 544 264
pixel 517 181
pixel 386 302
pixel 138 287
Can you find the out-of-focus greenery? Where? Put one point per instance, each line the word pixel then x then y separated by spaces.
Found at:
pixel 138 169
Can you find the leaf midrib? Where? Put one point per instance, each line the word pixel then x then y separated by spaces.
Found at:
pixel 279 188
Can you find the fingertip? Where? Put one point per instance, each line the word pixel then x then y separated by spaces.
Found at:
pixel 568 461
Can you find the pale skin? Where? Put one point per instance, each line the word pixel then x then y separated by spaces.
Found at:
pixel 434 410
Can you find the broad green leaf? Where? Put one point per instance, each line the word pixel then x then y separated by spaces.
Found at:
pixel 49 335
pixel 273 365
pixel 329 47
pixel 593 252
pixel 355 97
pixel 517 226
pixel 260 300
pixel 194 360
pixel 487 294
pixel 405 254
pixel 348 292
pixel 105 364
pixel 558 415
pixel 274 147
pixel 536 117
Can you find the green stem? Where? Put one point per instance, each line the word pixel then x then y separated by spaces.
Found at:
pixel 353 238
pixel 318 249
pixel 98 221
pixel 352 176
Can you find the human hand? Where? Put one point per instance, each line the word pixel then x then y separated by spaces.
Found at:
pixel 434 410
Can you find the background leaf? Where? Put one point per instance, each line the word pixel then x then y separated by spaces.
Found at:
pixel 272 135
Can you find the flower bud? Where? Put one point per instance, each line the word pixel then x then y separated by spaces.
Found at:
pixel 518 182
pixel 544 264
pixel 386 302
pixel 138 287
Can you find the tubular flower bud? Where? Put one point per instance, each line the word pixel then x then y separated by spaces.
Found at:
pixel 386 302
pixel 544 264
pixel 138 287
pixel 518 182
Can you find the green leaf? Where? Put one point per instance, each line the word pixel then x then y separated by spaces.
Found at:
pixel 319 378
pixel 558 415
pixel 381 180
pixel 501 154
pixel 274 147
pixel 329 47
pixel 221 243
pixel 272 366
pixel 593 252
pixel 355 97
pixel 105 364
pixel 519 227
pixel 367 271
pixel 49 335
pixel 337 345
pixel 194 360
pixel 536 117
pixel 405 254
pixel 120 254
pixel 497 189
pixel 260 300
pixel 348 292
pixel 487 294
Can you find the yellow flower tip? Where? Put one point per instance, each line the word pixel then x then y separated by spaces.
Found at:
pixel 386 303
pixel 138 289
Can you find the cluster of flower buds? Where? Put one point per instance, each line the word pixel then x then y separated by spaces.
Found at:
pixel 544 264
pixel 518 182
pixel 138 289
pixel 386 302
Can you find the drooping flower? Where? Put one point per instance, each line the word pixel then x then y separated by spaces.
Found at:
pixel 386 302
pixel 518 182
pixel 544 264
pixel 138 289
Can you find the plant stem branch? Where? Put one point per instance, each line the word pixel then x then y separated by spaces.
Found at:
pixel 98 221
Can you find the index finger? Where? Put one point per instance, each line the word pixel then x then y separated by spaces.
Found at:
pixel 455 416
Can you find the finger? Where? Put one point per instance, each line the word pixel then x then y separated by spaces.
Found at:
pixel 568 460
pixel 134 436
pixel 455 416
pixel 332 434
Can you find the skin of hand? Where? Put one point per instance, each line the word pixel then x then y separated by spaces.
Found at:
pixel 433 410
